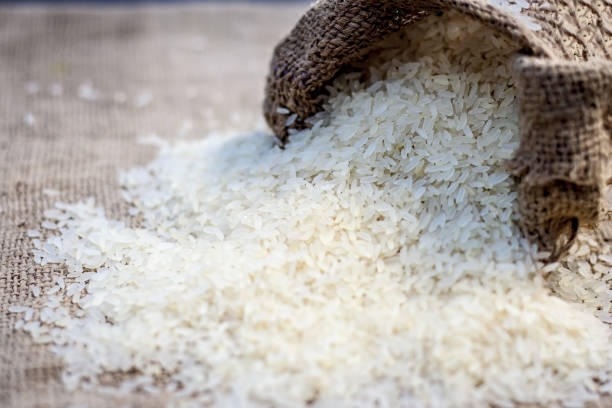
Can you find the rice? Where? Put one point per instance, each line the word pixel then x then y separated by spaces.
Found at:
pixel 32 87
pixel 87 92
pixel 56 89
pixel 515 8
pixel 372 262
pixel 29 119
pixel 33 233
pixel 51 192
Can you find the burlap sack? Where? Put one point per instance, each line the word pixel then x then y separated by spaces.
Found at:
pixel 564 82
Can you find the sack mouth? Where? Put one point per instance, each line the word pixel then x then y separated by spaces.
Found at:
pixel 306 61
pixel 565 107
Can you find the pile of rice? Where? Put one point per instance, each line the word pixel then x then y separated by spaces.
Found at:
pixel 373 262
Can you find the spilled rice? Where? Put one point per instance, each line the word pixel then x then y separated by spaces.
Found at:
pixel 374 260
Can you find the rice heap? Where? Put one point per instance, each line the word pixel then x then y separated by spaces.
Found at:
pixel 372 262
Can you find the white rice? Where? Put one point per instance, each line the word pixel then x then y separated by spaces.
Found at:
pixel 32 87
pixel 56 89
pixel 29 119
pixel 372 262
pixel 87 92
pixel 33 233
pixel 143 99
pixel 51 192
pixel 515 9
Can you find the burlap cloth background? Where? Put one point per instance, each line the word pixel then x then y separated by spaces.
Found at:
pixel 200 63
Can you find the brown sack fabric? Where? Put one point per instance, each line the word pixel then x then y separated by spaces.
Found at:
pixel 564 108
pixel 563 82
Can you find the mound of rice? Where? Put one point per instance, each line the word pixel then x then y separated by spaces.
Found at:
pixel 372 262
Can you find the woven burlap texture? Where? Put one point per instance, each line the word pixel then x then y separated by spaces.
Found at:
pixel 563 82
